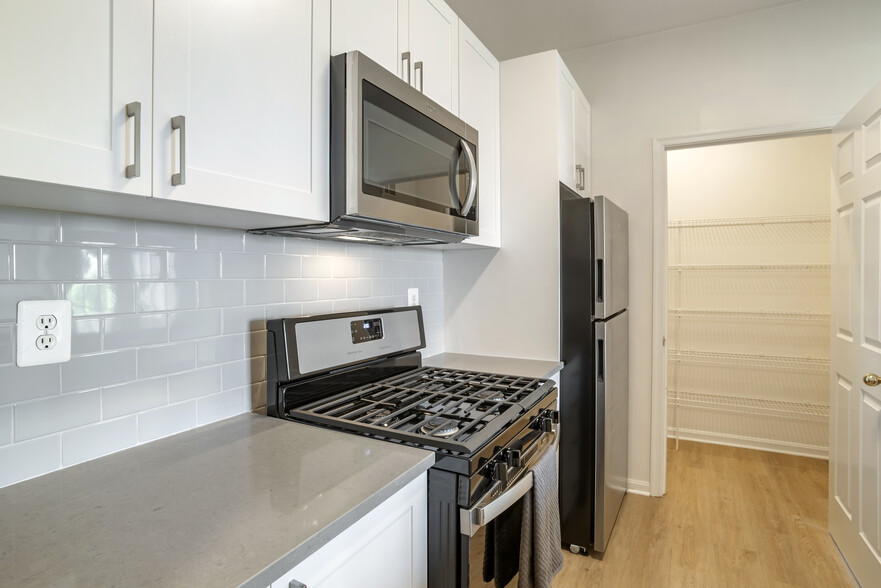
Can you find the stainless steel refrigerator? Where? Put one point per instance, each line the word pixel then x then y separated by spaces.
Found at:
pixel 594 380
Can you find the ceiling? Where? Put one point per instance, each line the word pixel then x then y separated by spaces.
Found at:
pixel 511 28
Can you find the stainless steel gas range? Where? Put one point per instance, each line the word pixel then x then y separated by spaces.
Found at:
pixel 361 373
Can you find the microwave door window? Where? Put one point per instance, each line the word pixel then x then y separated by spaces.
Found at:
pixel 407 157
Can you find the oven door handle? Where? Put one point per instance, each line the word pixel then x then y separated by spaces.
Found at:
pixel 471 520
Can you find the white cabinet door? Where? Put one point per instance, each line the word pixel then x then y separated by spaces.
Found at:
pixel 247 85
pixel 581 141
pixel 368 27
pixel 479 107
pixel 387 548
pixel 566 128
pixel 68 71
pixel 432 31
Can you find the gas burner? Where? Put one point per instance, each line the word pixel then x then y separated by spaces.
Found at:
pixel 439 427
pixel 377 414
pixel 489 394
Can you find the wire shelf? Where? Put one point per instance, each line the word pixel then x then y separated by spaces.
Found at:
pixel 779 267
pixel 763 315
pixel 773 362
pixel 730 222
pixel 753 406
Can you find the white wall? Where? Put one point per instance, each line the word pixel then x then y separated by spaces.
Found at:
pixel 790 64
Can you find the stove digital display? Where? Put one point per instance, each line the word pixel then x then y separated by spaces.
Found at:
pixel 364 330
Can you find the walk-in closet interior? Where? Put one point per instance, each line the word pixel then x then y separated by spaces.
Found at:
pixel 748 294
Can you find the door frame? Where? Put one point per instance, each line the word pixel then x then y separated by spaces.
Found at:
pixel 660 146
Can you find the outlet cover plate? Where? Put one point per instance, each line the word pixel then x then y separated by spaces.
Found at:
pixel 27 332
pixel 412 296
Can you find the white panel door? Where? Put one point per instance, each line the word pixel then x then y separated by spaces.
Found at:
pixel 479 107
pixel 432 31
pixel 581 141
pixel 68 70
pixel 855 454
pixel 368 27
pixel 248 84
pixel 566 128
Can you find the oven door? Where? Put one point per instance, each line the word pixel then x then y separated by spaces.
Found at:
pixel 474 522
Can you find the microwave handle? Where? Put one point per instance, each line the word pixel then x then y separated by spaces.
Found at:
pixel 472 188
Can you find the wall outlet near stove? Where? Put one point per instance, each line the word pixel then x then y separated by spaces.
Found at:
pixel 43 332
pixel 412 296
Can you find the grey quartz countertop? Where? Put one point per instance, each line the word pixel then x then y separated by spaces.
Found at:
pixel 533 368
pixel 238 502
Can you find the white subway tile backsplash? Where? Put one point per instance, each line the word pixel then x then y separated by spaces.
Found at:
pixel 165 421
pixel 98 230
pixel 21 225
pixel 7 352
pixel 218 293
pixel 28 383
pixel 166 359
pixel 11 293
pixel 242 265
pixel 5 425
pixel 194 384
pixel 100 299
pixel 193 265
pixel 264 243
pixel 98 440
pixel 283 266
pixel 4 261
pixel 302 290
pixel 170 324
pixel 133 397
pixel 135 330
pixel 86 336
pixel 23 461
pixel 264 291
pixel 220 406
pixel 134 264
pixel 331 289
pixel 52 415
pixel 99 369
pixel 217 239
pixel 317 267
pixel 195 324
pixel 221 349
pixel 159 296
pixel 166 235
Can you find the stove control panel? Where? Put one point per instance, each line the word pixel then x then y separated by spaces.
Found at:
pixel 364 330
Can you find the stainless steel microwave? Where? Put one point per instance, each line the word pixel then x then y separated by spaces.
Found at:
pixel 403 170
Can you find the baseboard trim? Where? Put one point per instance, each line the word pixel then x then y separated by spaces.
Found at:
pixel 750 443
pixel 640 487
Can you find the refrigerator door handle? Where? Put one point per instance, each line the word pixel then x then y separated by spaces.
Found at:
pixel 599 281
pixel 601 360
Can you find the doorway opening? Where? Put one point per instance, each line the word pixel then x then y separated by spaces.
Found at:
pixel 748 294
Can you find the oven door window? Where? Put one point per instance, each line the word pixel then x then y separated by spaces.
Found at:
pixel 409 158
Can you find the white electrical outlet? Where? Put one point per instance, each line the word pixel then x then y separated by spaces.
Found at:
pixel 43 332
pixel 412 296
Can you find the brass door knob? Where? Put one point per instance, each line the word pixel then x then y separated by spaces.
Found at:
pixel 871 380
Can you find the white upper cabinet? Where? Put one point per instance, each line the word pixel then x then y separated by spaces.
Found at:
pixel 368 27
pixel 241 103
pixel 479 107
pixel 573 115
pixel 432 39
pixel 69 69
pixel 415 39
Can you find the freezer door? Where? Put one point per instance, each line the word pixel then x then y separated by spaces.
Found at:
pixel 611 281
pixel 612 386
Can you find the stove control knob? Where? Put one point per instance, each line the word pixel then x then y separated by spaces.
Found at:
pixel 554 415
pixel 546 424
pixel 515 458
pixel 500 472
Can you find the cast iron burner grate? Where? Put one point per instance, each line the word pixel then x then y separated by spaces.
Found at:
pixel 430 407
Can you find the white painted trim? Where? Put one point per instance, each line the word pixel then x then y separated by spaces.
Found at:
pixel 751 443
pixel 658 449
pixel 640 487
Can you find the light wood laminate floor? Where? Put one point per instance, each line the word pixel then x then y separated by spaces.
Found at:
pixel 731 517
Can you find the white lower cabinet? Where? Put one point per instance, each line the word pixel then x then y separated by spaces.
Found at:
pixel 386 548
